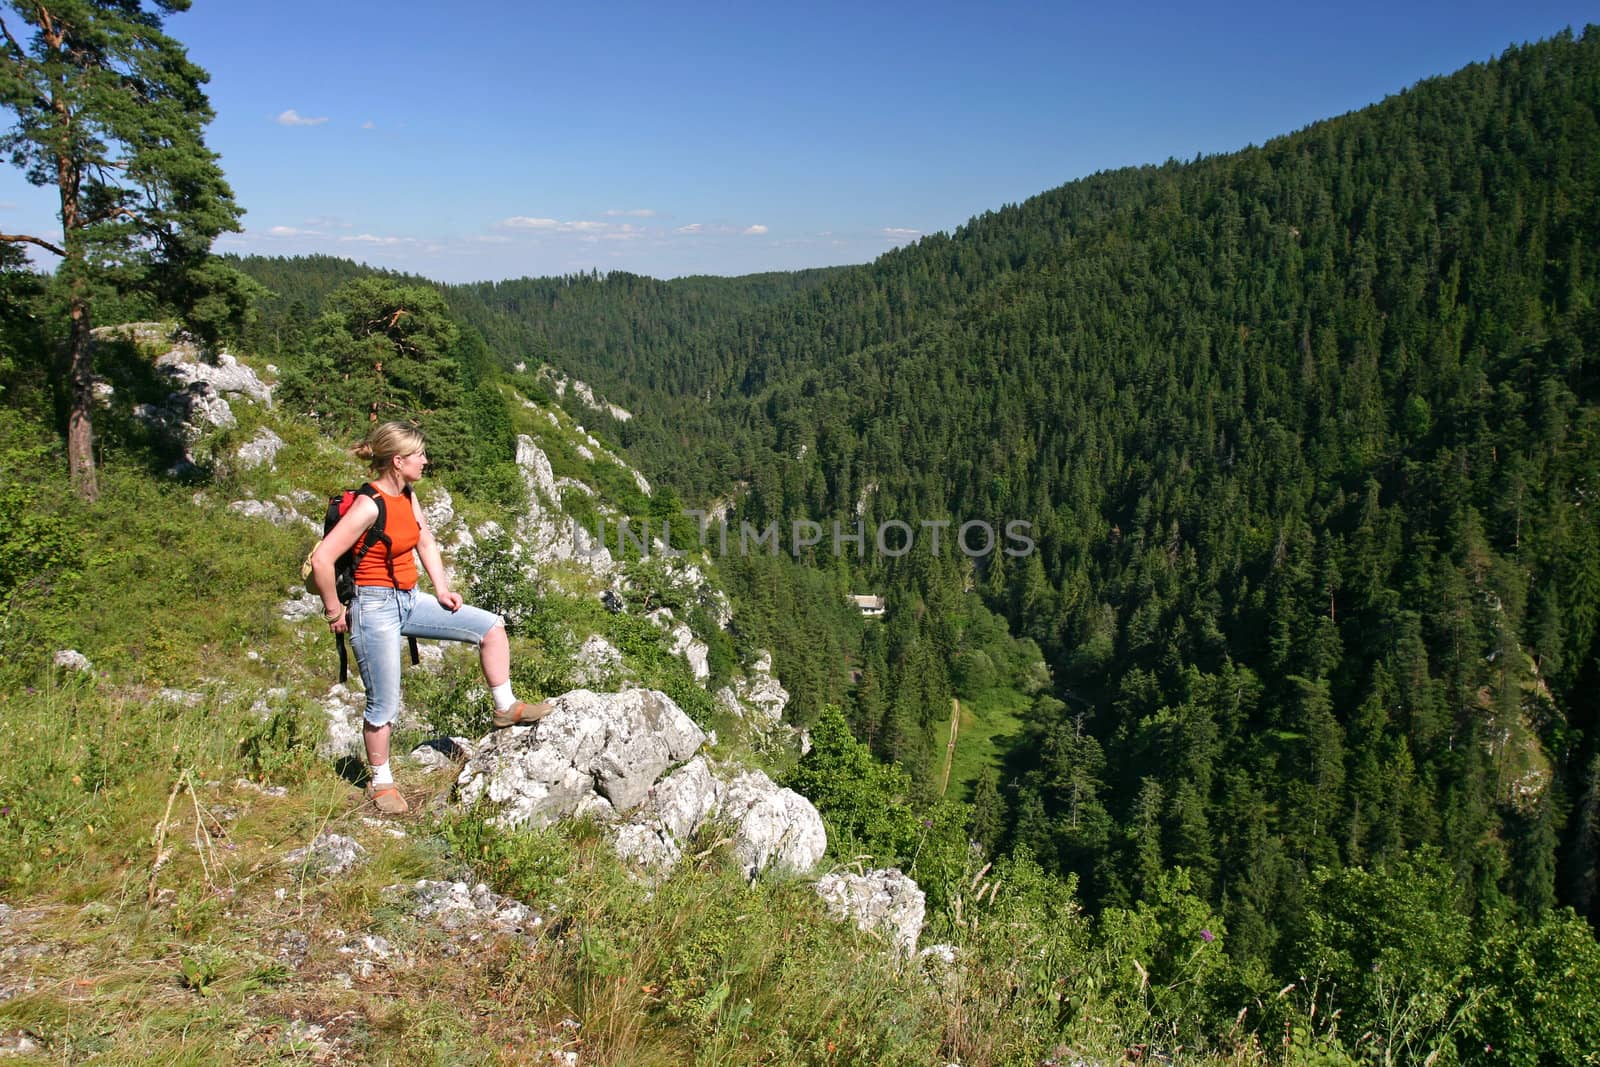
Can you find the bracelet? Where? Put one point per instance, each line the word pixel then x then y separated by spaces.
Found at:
pixel 331 619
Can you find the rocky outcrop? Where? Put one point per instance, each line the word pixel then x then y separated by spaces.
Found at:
pixel 583 392
pixel 773 827
pixel 536 470
pixel 457 907
pixel 200 388
pixel 609 747
pixel 547 533
pixel 885 902
pixel 684 643
pixel 596 661
pixel 71 659
pixel 280 511
pixel 673 812
pixel 759 693
pixel 185 365
pixel 260 450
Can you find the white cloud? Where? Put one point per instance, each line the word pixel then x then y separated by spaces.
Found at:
pixel 491 238
pixel 6 205
pixel 634 213
pixel 291 231
pixel 693 227
pixel 374 239
pixel 528 222
pixel 900 233
pixel 755 231
pixel 369 125
pixel 292 117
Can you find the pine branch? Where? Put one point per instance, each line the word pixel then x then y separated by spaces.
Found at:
pixel 22 238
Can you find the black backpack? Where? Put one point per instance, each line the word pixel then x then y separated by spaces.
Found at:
pixel 344 568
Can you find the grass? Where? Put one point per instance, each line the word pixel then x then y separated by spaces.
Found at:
pixel 988 720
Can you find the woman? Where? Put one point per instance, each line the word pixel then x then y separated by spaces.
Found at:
pixel 388 607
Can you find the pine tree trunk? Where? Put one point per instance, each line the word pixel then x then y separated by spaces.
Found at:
pixel 80 385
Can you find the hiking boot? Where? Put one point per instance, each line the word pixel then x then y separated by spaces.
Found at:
pixel 522 714
pixel 387 799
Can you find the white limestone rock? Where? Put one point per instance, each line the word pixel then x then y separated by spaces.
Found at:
pixel 764 693
pixel 441 753
pixel 596 661
pixel 329 854
pixel 885 902
pixel 301 607
pixel 458 907
pixel 71 659
pixel 684 643
pixel 280 511
pixel 773 827
pixel 612 744
pixel 227 375
pixel 548 533
pixel 671 814
pixel 536 469
pixel 344 708
pixel 261 450
pixel 440 510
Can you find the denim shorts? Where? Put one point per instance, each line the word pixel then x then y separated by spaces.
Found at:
pixel 381 618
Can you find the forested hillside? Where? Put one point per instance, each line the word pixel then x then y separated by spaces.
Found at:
pixel 1309 436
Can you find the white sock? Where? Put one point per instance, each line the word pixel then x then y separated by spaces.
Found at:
pixel 381 774
pixel 502 695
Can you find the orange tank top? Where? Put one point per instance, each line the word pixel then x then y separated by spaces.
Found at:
pixel 400 524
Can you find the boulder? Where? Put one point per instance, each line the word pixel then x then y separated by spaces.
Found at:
pixel 596 661
pixel 71 659
pixel 344 708
pixel 773 827
pixel 227 375
pixel 612 744
pixel 440 509
pixel 442 753
pixel 260 450
pixel 671 814
pixel 685 644
pixel 885 902
pixel 301 607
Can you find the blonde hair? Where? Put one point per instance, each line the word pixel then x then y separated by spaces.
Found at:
pixel 387 441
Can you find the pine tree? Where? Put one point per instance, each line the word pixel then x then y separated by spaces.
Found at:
pixel 111 112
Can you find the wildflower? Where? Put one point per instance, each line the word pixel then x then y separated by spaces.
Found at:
pixel 1207 936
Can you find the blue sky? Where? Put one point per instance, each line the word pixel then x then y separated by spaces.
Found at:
pixel 493 140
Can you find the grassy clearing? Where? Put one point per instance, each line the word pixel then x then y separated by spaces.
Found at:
pixel 988 722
